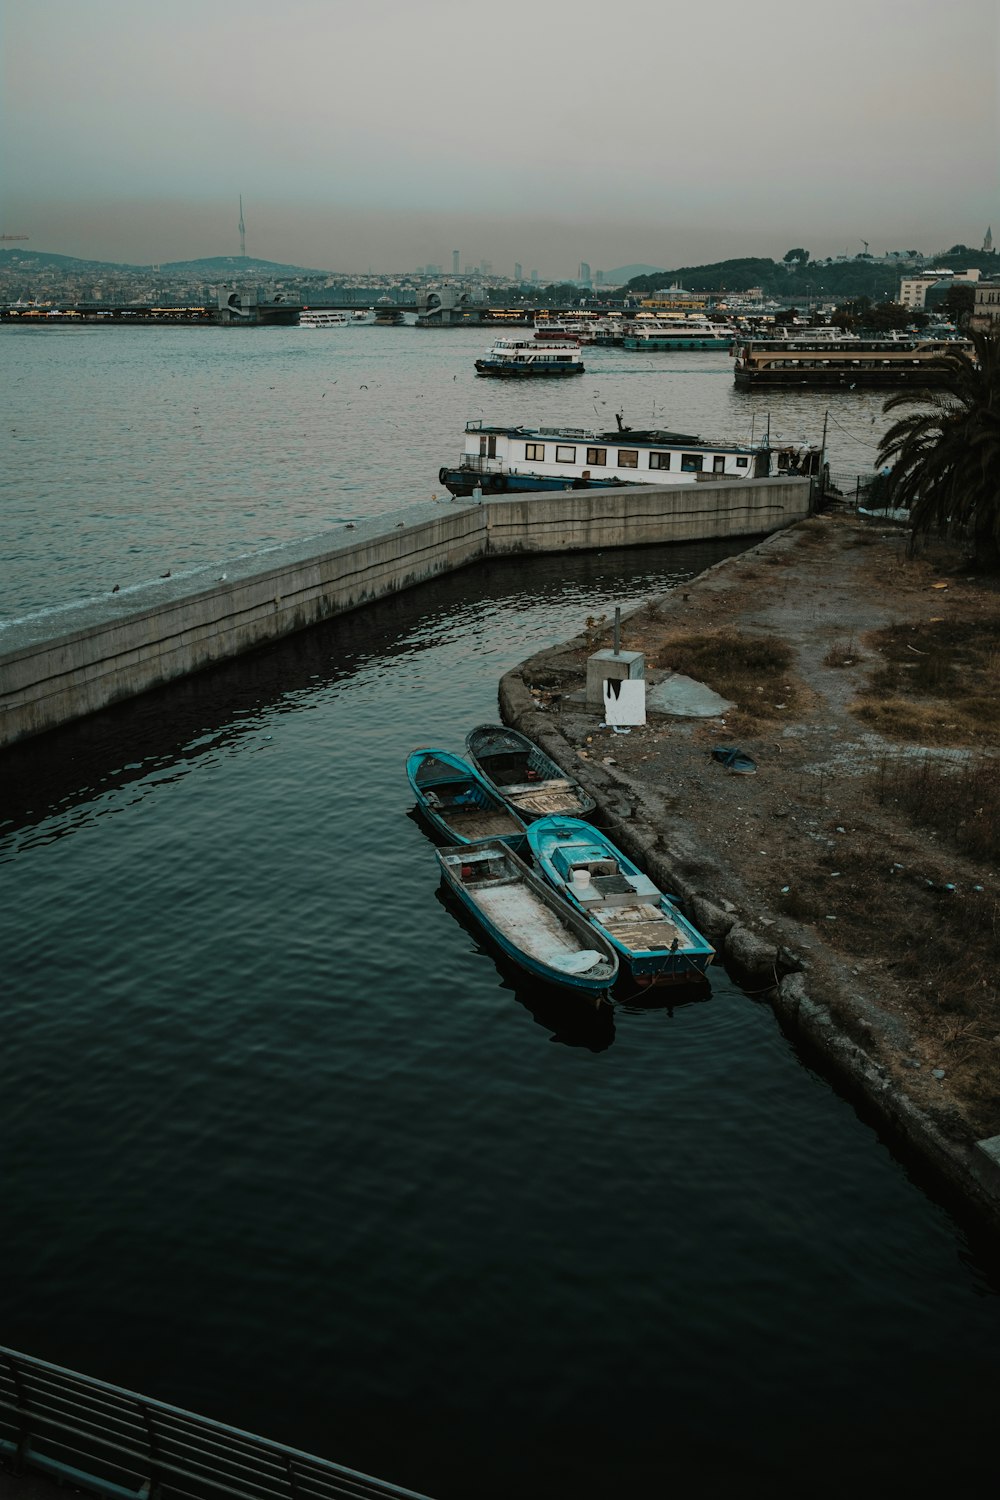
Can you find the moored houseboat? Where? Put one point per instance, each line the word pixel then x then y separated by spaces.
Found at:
pixel 516 359
pixel 826 363
pixel 507 460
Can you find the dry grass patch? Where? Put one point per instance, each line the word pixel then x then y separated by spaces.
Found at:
pixel 754 672
pixel 938 682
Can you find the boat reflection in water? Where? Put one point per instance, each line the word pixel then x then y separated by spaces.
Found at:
pixel 557 1011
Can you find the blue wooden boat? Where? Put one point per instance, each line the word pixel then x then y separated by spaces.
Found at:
pixel 659 944
pixel 527 780
pixel 533 925
pixel 458 802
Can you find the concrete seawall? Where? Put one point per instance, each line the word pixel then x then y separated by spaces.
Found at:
pixel 61 664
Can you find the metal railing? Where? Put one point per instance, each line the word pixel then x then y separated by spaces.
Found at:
pixel 128 1447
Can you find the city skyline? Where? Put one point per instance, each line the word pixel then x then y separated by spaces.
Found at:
pixel 358 144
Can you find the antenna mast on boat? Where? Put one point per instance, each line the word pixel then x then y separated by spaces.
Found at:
pixel 243 232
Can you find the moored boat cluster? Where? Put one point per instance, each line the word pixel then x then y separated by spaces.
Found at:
pixel 549 889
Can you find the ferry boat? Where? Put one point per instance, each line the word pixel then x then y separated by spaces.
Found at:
pixel 692 332
pixel 824 363
pixel 323 318
pixel 511 460
pixel 565 330
pixel 519 359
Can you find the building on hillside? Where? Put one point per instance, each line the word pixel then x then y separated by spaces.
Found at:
pixel 675 299
pixel 913 289
pixel 986 309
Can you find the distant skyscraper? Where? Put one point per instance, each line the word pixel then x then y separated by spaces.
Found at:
pixel 584 273
pixel 454 262
pixel 518 272
pixel 988 241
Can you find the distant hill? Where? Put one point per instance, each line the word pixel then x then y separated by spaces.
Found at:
pixel 42 260
pixel 233 266
pixel 626 273
pixel 213 268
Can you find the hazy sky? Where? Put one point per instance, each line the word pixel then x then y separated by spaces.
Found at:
pixel 382 135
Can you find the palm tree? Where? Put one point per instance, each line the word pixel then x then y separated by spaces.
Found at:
pixel 946 456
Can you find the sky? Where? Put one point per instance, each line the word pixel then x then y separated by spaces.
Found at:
pixel 383 135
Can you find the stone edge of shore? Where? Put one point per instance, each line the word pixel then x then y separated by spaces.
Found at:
pixel 963 1167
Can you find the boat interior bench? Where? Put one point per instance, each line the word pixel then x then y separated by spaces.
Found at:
pixel 518 788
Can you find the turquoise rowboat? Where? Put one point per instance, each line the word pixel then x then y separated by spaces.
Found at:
pixel 657 942
pixel 458 802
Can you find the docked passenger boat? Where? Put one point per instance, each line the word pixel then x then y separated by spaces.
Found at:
pixel 527 780
pixel 518 359
pixel 511 460
pixel 659 945
pixel 826 363
pixel 680 332
pixel 528 920
pixel 322 317
pixel 458 802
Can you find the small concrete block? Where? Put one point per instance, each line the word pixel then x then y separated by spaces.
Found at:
pixel 607 666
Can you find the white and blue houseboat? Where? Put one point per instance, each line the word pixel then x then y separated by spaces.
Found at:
pixel 526 358
pixel 678 332
pixel 508 460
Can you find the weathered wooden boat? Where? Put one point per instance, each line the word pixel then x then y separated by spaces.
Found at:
pixel 532 784
pixel 735 760
pixel 533 925
pixel 500 460
pixel 659 945
pixel 458 802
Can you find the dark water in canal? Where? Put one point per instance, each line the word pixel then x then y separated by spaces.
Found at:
pixel 283 1145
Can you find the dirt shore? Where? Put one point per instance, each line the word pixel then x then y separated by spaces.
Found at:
pixel 858 903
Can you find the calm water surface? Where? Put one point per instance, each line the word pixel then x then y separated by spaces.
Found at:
pixel 282 1142
pixel 129 451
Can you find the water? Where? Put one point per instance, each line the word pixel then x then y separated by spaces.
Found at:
pixel 131 451
pixel 283 1144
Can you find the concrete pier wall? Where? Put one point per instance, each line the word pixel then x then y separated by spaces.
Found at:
pixel 62 664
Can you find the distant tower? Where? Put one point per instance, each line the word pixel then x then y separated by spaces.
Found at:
pixel 243 232
pixel 518 271
pixel 988 241
pixel 454 262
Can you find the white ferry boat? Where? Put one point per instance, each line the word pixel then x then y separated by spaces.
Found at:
pixel 681 332
pixel 510 460
pixel 322 318
pixel 522 358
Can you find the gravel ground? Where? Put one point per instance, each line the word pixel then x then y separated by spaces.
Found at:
pixel 802 868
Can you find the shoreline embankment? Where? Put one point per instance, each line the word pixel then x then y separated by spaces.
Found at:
pixel 60 665
pixel 698 844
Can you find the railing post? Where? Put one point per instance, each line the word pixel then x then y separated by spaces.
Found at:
pixel 23 1414
pixel 151 1489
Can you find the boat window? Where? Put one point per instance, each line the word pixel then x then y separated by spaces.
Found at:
pixel 659 460
pixel 564 454
pixel 534 450
pixel 742 463
pixel 597 457
pixel 692 463
pixel 628 458
pixel 718 464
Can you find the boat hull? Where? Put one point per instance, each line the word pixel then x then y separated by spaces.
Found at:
pixel 658 344
pixel 464 482
pixel 658 944
pixel 538 370
pixel 528 921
